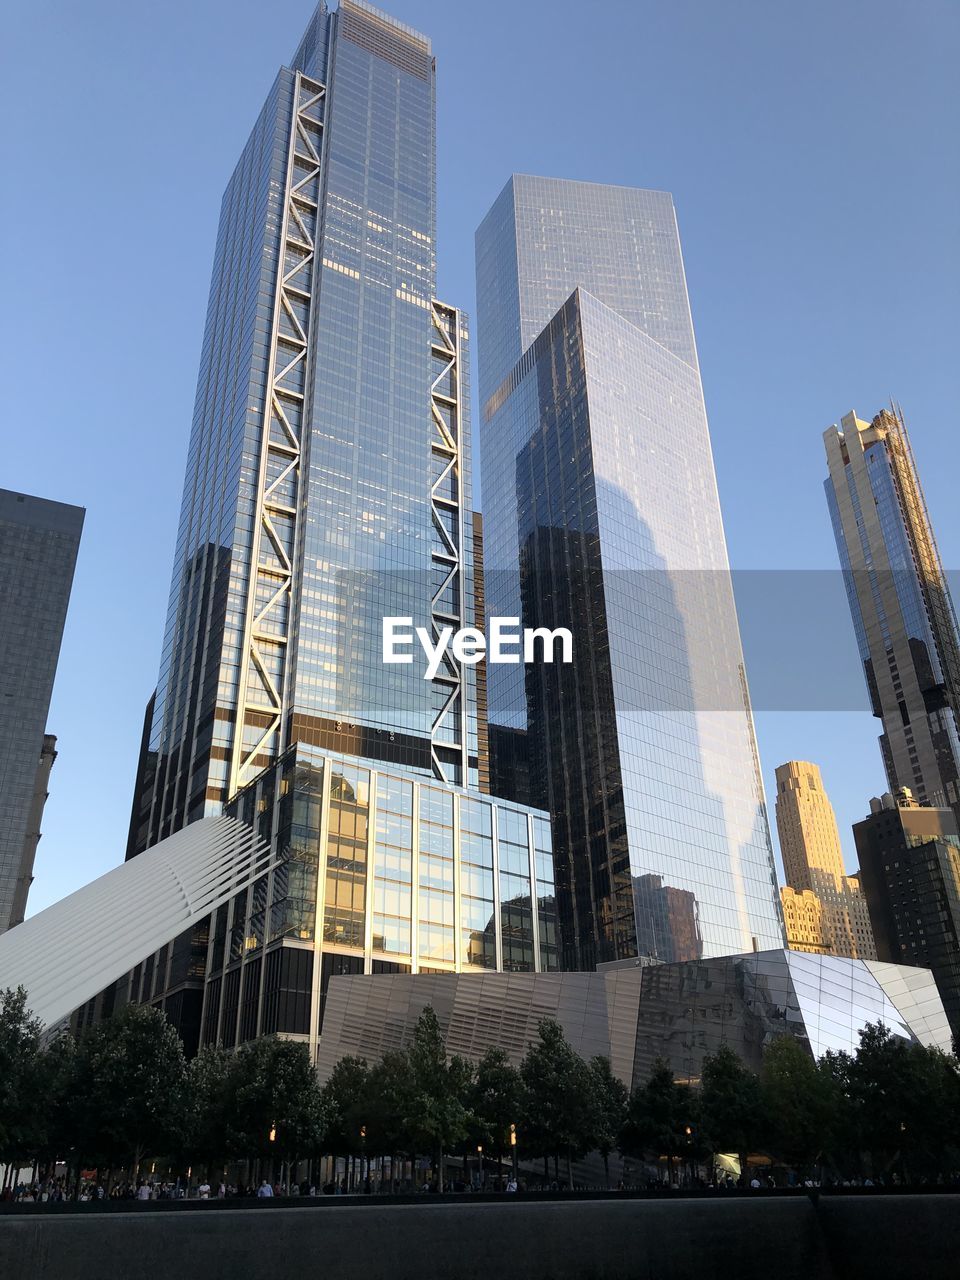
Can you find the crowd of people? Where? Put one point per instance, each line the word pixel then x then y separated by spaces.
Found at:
pixel 56 1189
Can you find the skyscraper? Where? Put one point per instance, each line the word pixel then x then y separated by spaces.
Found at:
pixel 601 514
pixel 838 922
pixel 902 613
pixel 327 488
pixel 322 489
pixel 38 552
pixel 910 870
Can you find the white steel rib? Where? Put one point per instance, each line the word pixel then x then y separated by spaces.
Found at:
pixel 66 954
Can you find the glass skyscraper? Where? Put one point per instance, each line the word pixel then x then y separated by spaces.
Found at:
pixel 325 488
pixel 903 616
pixel 328 487
pixel 601 514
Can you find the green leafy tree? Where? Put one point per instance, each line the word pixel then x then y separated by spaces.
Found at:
pixel 559 1099
pixel 495 1101
pixel 209 1136
pixel 345 1099
pixel 53 1091
pixel 661 1118
pixel 128 1088
pixel 19 1065
pixel 799 1103
pixel 386 1105
pixel 730 1109
pixel 276 1100
pixel 903 1100
pixel 610 1096
pixel 438 1119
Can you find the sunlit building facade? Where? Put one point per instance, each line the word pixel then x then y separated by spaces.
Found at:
pixel 824 909
pixel 903 616
pixel 328 486
pixel 601 514
pixel 380 871
pixel 328 470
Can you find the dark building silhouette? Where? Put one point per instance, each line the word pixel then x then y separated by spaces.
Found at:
pixel 910 873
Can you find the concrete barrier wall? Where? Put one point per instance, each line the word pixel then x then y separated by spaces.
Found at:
pixel 617 1239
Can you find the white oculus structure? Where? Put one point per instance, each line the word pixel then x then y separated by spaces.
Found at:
pixel 65 955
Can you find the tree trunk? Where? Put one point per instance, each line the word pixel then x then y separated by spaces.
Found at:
pixel 606 1168
pixel 569 1170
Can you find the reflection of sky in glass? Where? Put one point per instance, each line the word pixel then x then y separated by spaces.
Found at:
pixel 597 461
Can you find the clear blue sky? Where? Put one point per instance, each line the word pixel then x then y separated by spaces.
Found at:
pixel 811 153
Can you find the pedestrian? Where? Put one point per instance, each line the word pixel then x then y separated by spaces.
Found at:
pixel 203 1191
pixel 264 1191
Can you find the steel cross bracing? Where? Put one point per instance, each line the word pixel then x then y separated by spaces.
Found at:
pixel 264 666
pixel 448 733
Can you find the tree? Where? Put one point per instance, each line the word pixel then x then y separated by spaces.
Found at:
pixel 661 1117
pixel 799 1102
pixel 495 1100
pixel 344 1101
pixel 53 1101
pixel 128 1088
pixel 386 1105
pixel 437 1119
pixel 276 1100
pixel 730 1109
pixel 559 1098
pixel 19 1057
pixel 209 1132
pixel 904 1103
pixel 610 1097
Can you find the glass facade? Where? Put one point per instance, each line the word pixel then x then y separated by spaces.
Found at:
pixel 602 515
pixel 381 872
pixel 328 486
pixel 634 1015
pixel 903 617
pixel 328 472
pixel 38 551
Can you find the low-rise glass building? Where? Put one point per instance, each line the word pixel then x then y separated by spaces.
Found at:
pixel 380 871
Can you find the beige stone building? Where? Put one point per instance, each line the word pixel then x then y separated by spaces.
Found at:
pixel 824 908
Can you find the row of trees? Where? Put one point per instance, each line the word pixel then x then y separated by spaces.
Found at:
pixel 122 1092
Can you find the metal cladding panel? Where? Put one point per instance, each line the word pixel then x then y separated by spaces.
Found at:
pixel 680 1012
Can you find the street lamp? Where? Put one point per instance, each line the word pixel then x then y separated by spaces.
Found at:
pixel 480 1161
pixel 513 1149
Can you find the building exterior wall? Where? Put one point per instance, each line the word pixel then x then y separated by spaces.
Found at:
pixel 328 486
pixel 31 839
pixel 910 870
pixel 803 920
pixel 679 1012
pixel 328 471
pixel 839 924
pixel 382 871
pixel 38 551
pixel 903 617
pixel 601 514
